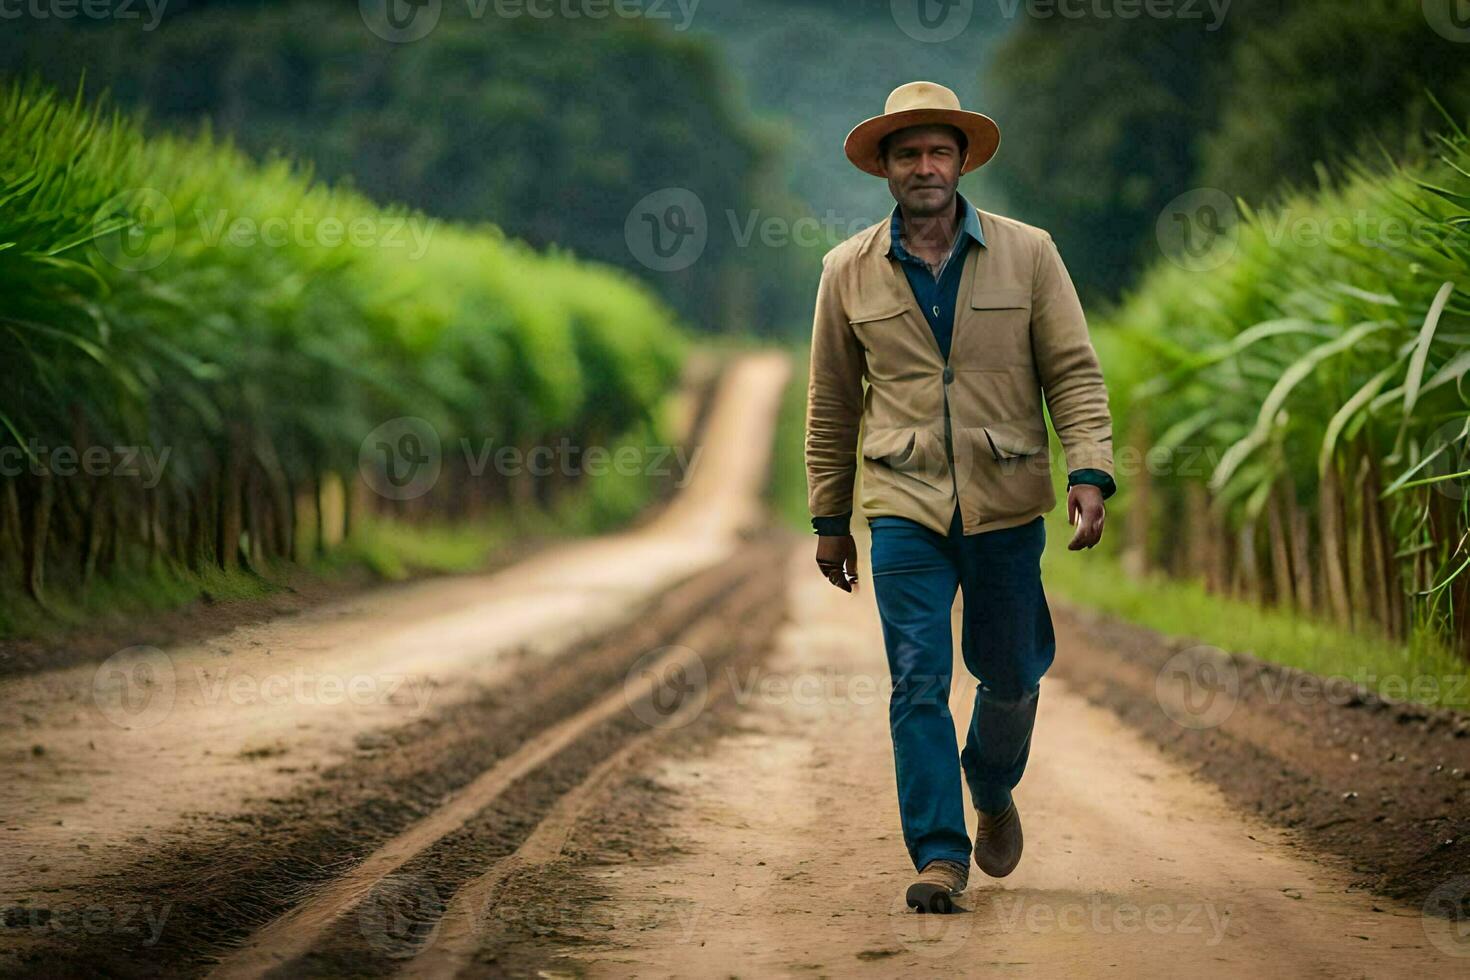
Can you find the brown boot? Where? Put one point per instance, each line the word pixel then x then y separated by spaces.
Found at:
pixel 998 842
pixel 938 885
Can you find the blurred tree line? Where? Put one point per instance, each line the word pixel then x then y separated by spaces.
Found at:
pixel 1107 118
pixel 552 129
pixel 816 68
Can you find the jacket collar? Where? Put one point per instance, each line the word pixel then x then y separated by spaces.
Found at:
pixel 890 237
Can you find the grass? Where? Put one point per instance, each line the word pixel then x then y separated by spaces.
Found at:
pixel 137 593
pixel 395 551
pixel 1423 671
pixel 786 491
pixel 387 549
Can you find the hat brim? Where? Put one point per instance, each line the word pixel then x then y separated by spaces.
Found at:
pixel 980 130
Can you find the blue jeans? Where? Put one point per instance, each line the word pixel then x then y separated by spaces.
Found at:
pixel 1007 643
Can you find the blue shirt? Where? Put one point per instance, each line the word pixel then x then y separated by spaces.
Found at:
pixel 937 296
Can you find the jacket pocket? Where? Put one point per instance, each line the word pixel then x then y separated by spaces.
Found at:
pixel 1016 439
pixel 1000 299
pixel 1003 469
pixel 876 313
pixel 998 331
pixel 908 451
pixel 895 349
pixel 894 446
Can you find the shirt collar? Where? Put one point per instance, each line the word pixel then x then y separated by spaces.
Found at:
pixel 969 225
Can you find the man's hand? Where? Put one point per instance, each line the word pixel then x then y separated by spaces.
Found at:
pixel 1086 512
pixel 837 558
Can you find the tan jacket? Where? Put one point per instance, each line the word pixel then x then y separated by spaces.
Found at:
pixel 972 429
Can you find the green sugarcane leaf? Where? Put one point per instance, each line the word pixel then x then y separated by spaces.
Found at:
pixel 1381 299
pixel 1421 350
pixel 1275 400
pixel 1179 431
pixel 1403 479
pixel 19 441
pixel 1349 409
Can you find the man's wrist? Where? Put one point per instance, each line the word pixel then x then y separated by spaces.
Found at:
pixel 1093 477
pixel 835 526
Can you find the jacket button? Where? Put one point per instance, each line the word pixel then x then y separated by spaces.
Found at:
pixel 948 374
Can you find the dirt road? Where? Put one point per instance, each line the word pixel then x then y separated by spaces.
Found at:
pixel 152 749
pixel 663 753
pixel 789 861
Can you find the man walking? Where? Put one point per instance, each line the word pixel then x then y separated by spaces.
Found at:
pixel 961 322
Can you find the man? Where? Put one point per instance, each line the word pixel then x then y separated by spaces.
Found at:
pixel 961 321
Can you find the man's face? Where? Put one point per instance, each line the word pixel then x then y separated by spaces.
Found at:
pixel 923 165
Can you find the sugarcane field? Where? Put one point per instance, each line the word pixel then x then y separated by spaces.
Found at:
pixel 734 488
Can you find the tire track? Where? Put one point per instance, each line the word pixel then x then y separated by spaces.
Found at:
pixel 294 935
pixel 460 933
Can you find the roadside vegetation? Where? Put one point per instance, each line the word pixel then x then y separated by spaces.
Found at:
pixel 1250 98
pixel 1291 410
pixel 217 368
pixel 554 128
pixel 787 487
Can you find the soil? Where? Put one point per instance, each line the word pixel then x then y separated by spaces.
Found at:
pixel 771 847
pixel 1383 786
pixel 242 872
pixel 199 619
pixel 253 733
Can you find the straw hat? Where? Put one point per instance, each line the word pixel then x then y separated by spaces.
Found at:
pixel 922 104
